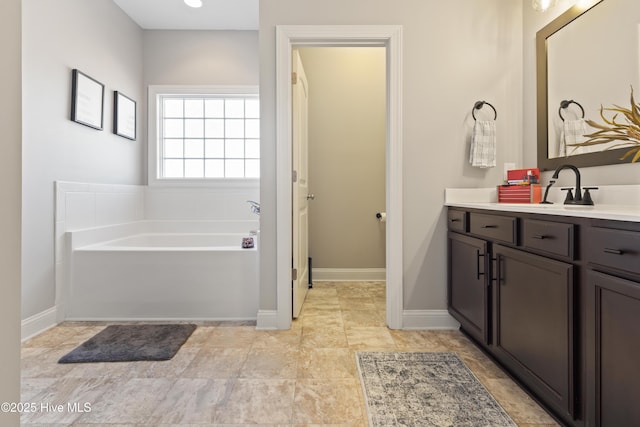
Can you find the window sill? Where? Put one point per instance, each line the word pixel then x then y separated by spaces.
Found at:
pixel 222 183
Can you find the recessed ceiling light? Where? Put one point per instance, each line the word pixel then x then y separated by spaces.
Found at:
pixel 543 5
pixel 193 3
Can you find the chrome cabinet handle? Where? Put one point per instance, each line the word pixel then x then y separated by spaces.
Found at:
pixel 489 226
pixel 539 236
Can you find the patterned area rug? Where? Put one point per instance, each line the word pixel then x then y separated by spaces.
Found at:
pixel 425 389
pixel 128 343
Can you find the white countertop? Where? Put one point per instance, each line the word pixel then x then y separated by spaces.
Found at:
pixel 613 202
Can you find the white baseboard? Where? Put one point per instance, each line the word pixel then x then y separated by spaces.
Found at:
pixel 349 274
pixel 428 319
pixel 267 320
pixel 39 323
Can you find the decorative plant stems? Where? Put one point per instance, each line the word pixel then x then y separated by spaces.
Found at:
pixel 626 133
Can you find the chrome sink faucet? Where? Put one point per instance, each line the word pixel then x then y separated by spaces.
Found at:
pixel 578 198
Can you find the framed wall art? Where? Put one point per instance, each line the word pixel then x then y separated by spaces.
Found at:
pixel 124 116
pixel 87 100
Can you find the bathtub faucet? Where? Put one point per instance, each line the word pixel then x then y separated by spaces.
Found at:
pixel 255 207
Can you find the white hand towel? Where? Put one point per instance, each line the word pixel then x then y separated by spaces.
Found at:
pixel 483 144
pixel 573 132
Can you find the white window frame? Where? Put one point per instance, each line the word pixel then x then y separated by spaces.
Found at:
pixel 153 159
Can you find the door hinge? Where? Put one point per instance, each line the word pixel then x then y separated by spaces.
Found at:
pixel 294 274
pixel 294 77
pixel 294 176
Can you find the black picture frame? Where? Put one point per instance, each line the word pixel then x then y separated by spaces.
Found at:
pixel 87 100
pixel 124 116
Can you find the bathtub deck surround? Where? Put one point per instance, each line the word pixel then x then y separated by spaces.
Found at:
pixel 231 374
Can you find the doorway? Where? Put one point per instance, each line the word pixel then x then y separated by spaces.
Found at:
pixel 389 37
pixel 346 163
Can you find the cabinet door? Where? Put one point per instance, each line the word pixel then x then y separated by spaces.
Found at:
pixel 468 296
pixel 613 347
pixel 533 326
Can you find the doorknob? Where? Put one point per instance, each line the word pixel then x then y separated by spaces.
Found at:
pixel 311 196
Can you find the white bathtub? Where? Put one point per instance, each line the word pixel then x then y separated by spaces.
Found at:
pixel 156 270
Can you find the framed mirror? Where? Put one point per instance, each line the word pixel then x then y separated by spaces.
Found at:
pixel 588 57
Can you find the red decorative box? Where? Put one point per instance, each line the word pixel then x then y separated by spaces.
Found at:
pixel 519 193
pixel 517 176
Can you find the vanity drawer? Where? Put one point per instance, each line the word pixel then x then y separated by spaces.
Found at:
pixel 457 220
pixel 619 249
pixel 552 237
pixel 495 227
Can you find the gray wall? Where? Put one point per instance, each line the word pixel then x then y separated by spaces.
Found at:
pixel 453 55
pixel 10 167
pixel 99 39
pixel 201 58
pixel 347 134
pixel 600 175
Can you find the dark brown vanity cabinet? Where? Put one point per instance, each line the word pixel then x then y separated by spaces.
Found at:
pixel 496 228
pixel 533 323
pixel 469 287
pixel 613 325
pixel 468 296
pixel 511 287
pixel 555 301
pixel 613 348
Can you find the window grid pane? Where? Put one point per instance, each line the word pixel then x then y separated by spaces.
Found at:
pixel 204 136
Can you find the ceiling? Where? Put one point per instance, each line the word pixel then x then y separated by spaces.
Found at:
pixel 175 15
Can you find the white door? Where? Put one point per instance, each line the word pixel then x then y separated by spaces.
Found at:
pixel 300 194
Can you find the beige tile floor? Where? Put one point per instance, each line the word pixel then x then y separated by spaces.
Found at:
pixel 231 374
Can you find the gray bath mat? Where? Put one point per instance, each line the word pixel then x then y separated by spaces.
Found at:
pixel 426 389
pixel 126 343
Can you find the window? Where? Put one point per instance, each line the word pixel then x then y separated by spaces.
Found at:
pixel 206 136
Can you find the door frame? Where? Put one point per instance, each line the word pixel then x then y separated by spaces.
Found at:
pixel 390 37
